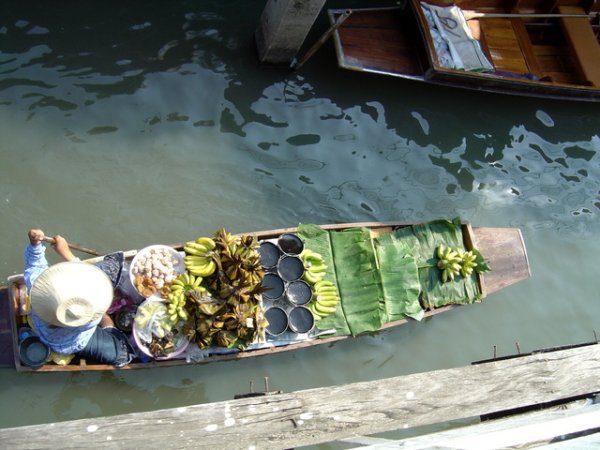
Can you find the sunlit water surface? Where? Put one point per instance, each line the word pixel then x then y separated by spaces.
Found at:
pixel 133 124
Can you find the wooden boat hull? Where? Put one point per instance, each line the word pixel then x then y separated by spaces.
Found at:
pixel 503 248
pixel 396 42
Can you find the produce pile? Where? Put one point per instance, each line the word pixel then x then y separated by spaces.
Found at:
pixel 223 309
pixel 358 281
pixel 378 278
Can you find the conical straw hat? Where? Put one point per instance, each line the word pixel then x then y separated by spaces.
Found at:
pixel 71 294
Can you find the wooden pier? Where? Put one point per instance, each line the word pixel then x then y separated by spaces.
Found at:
pixel 285 420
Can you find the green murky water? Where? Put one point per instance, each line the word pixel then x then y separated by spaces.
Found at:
pixel 135 123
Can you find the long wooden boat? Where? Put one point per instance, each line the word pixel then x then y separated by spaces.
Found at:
pixel 503 249
pixel 541 49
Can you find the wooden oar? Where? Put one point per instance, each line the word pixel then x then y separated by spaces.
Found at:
pixel 75 247
pixel 296 65
pixel 470 15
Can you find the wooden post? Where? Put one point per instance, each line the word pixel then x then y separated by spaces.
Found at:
pixel 284 24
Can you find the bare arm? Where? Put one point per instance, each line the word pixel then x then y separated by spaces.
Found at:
pixel 61 246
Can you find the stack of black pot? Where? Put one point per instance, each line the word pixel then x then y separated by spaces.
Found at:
pixel 286 294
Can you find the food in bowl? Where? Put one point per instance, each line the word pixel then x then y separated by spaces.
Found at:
pixel 154 268
pixel 154 333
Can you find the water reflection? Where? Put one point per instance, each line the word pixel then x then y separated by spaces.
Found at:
pixel 135 124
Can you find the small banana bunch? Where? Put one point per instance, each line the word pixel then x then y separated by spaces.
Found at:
pixel 199 257
pixel 314 266
pixel 325 299
pixel 177 298
pixel 454 262
pixel 468 263
pixel 176 307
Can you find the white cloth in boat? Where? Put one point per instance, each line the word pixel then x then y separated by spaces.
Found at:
pixel 452 26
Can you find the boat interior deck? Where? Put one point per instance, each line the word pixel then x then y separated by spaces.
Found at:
pixel 564 50
pixel 379 42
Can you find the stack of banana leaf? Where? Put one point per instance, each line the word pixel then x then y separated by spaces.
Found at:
pixel 388 277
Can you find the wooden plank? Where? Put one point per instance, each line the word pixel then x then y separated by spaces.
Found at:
pixel 503 45
pixel 324 414
pixel 527 49
pixel 503 246
pixel 583 43
pixel 521 431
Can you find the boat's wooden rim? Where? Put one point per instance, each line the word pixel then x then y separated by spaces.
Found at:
pixel 519 265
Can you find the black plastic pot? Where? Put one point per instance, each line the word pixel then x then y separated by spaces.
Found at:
pixel 278 321
pixel 300 320
pixel 274 286
pixel 269 254
pixel 290 244
pixel 290 268
pixel 298 292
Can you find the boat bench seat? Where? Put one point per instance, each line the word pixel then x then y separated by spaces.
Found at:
pixel 583 43
pixel 509 46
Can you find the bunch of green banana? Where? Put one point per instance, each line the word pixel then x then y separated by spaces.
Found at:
pixel 314 266
pixel 199 257
pixel 453 262
pixel 449 262
pixel 325 299
pixel 468 263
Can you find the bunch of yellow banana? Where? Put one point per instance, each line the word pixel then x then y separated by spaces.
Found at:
pixel 187 282
pixel 325 299
pixel 177 298
pixel 199 257
pixel 176 307
pixel 314 266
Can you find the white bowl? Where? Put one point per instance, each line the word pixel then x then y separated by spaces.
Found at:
pixel 178 266
pixel 181 344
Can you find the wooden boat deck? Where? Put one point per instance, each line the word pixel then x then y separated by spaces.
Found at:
pixel 380 43
pixel 503 248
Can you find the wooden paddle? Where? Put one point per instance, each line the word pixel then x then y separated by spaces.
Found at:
pixel 75 247
pixel 471 15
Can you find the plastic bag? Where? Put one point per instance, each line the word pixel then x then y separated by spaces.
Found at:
pixel 152 320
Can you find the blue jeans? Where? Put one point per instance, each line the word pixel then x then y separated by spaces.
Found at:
pixel 108 346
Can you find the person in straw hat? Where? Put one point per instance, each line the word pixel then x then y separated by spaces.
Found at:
pixel 69 301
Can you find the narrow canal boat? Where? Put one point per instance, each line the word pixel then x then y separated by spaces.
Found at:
pixel 369 276
pixel 541 49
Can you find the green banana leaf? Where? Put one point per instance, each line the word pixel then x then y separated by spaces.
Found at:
pixel 388 278
pixel 359 282
pixel 318 240
pixel 352 265
pixel 399 279
pixel 424 240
